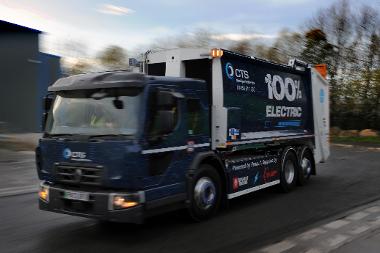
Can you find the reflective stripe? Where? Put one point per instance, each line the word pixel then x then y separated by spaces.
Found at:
pixel 161 150
pixel 253 189
pixel 270 139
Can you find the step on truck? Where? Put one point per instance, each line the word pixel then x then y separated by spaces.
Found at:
pixel 198 127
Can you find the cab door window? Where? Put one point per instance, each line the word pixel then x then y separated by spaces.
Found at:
pixel 194 116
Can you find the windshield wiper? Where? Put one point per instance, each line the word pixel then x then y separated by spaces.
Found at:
pixel 57 135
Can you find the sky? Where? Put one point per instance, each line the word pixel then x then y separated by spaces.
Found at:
pixel 90 25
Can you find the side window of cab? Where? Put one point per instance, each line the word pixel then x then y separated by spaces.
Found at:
pixel 163 111
pixel 194 116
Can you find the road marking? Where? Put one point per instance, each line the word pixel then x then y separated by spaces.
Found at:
pixel 336 224
pixel 373 209
pixel 12 191
pixel 357 216
pixel 24 161
pixel 338 239
pixel 313 251
pixel 311 234
pixel 359 230
pixel 376 221
pixel 279 247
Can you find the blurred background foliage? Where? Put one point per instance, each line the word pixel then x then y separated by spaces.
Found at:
pixel 347 39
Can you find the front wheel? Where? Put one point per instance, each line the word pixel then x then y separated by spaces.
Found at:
pixel 205 196
pixel 289 171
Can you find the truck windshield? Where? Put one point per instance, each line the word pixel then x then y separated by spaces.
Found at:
pixel 88 113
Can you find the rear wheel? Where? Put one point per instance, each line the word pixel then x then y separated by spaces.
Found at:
pixel 306 166
pixel 289 171
pixel 205 196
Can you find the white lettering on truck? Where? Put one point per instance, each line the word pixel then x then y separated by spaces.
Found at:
pixel 278 88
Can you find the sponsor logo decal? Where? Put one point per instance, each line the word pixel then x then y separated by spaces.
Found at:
pixel 248 165
pixel 269 174
pixel 241 78
pixel 235 72
pixel 190 146
pixel 256 178
pixel 239 181
pixel 233 133
pixel 68 154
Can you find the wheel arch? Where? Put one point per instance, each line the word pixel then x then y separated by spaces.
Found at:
pixel 213 160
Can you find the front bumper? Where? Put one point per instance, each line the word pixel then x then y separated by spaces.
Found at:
pixel 98 206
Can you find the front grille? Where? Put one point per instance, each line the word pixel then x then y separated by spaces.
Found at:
pixel 78 175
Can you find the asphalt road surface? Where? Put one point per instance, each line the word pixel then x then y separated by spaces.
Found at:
pixel 350 178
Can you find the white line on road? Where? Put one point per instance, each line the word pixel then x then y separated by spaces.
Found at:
pixel 336 224
pixel 313 251
pixel 24 161
pixel 357 216
pixel 336 240
pixel 12 191
pixel 373 209
pixel 311 234
pixel 376 222
pixel 359 230
pixel 279 247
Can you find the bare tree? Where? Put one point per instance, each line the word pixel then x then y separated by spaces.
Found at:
pixel 113 58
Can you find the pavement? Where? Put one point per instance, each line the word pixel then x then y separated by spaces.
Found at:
pixel 17 172
pixel 338 211
pixel 19 142
pixel 351 232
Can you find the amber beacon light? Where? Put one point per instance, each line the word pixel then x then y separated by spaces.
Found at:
pixel 216 53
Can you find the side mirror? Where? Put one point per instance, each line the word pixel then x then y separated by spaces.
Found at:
pixel 43 122
pixel 47 103
pixel 164 122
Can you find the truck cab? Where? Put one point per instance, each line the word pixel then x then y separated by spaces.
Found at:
pixel 117 142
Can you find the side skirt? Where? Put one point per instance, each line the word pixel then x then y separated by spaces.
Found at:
pixel 253 189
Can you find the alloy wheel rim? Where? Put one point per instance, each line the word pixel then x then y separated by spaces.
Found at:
pixel 204 193
pixel 289 172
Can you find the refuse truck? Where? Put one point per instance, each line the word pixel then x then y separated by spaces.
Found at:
pixel 197 128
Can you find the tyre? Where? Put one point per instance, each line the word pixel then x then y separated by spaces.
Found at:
pixel 289 170
pixel 306 166
pixel 205 195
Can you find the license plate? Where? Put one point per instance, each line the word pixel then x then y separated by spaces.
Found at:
pixel 82 196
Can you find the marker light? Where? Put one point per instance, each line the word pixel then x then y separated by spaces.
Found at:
pixel 120 202
pixel 322 69
pixel 216 53
pixel 43 193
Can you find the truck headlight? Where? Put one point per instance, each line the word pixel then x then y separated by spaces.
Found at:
pixel 123 201
pixel 43 193
pixel 120 202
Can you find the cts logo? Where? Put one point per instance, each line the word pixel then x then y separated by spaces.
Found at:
pixel 278 88
pixel 238 73
pixel 239 181
pixel 67 154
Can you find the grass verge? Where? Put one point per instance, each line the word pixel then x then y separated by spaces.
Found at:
pixel 356 139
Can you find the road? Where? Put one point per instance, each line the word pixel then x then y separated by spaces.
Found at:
pixel 349 179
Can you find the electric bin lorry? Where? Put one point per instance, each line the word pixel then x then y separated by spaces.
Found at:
pixel 197 128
